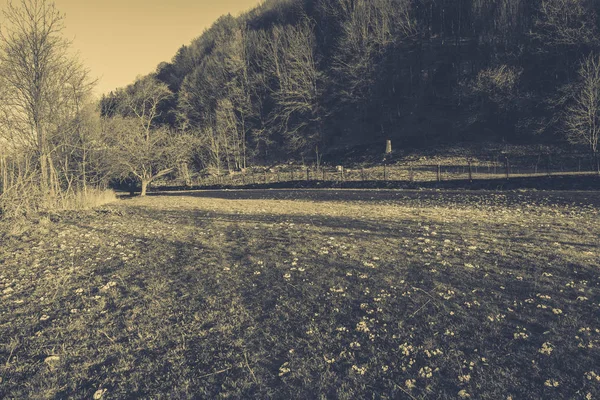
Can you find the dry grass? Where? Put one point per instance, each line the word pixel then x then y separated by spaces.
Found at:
pixel 87 199
pixel 304 294
pixel 25 200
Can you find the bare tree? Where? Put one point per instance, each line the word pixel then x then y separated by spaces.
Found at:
pixel 368 27
pixel 43 87
pixel 564 23
pixel 238 92
pixel 583 116
pixel 140 147
pixel 145 155
pixel 297 114
pixel 142 101
pixel 495 91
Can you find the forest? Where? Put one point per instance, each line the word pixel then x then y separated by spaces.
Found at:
pixel 302 80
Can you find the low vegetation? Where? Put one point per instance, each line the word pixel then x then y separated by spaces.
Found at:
pixel 304 294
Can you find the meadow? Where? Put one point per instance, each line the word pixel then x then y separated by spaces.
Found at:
pixel 348 294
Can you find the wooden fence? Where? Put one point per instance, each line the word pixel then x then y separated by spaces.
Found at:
pixel 469 168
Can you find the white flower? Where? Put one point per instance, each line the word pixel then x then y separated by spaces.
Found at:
pixel 329 360
pixel 551 383
pixel 359 370
pixel 546 348
pixel 284 369
pixel 362 327
pixel 369 264
pixel 406 349
pixel 425 372
pixel 109 285
pixel 591 375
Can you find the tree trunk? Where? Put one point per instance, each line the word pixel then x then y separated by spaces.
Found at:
pixel 4 173
pixel 44 171
pixel 145 183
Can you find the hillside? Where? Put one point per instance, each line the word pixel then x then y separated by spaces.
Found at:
pixel 299 78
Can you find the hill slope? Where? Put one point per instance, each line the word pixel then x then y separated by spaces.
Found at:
pixel 297 78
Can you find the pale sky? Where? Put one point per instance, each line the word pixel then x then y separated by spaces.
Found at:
pixel 121 39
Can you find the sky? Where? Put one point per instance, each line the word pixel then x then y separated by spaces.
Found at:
pixel 120 39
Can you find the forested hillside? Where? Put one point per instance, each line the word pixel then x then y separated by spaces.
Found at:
pixel 301 78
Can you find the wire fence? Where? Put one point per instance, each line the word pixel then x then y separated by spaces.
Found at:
pixel 416 170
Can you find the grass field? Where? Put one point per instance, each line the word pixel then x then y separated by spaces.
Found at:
pixel 306 294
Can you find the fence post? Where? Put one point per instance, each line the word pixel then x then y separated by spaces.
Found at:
pixel 384 172
pixel 307 174
pixel 323 171
pixel 265 174
pixel 470 172
pixel 411 175
pixel 507 167
pixel 439 173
